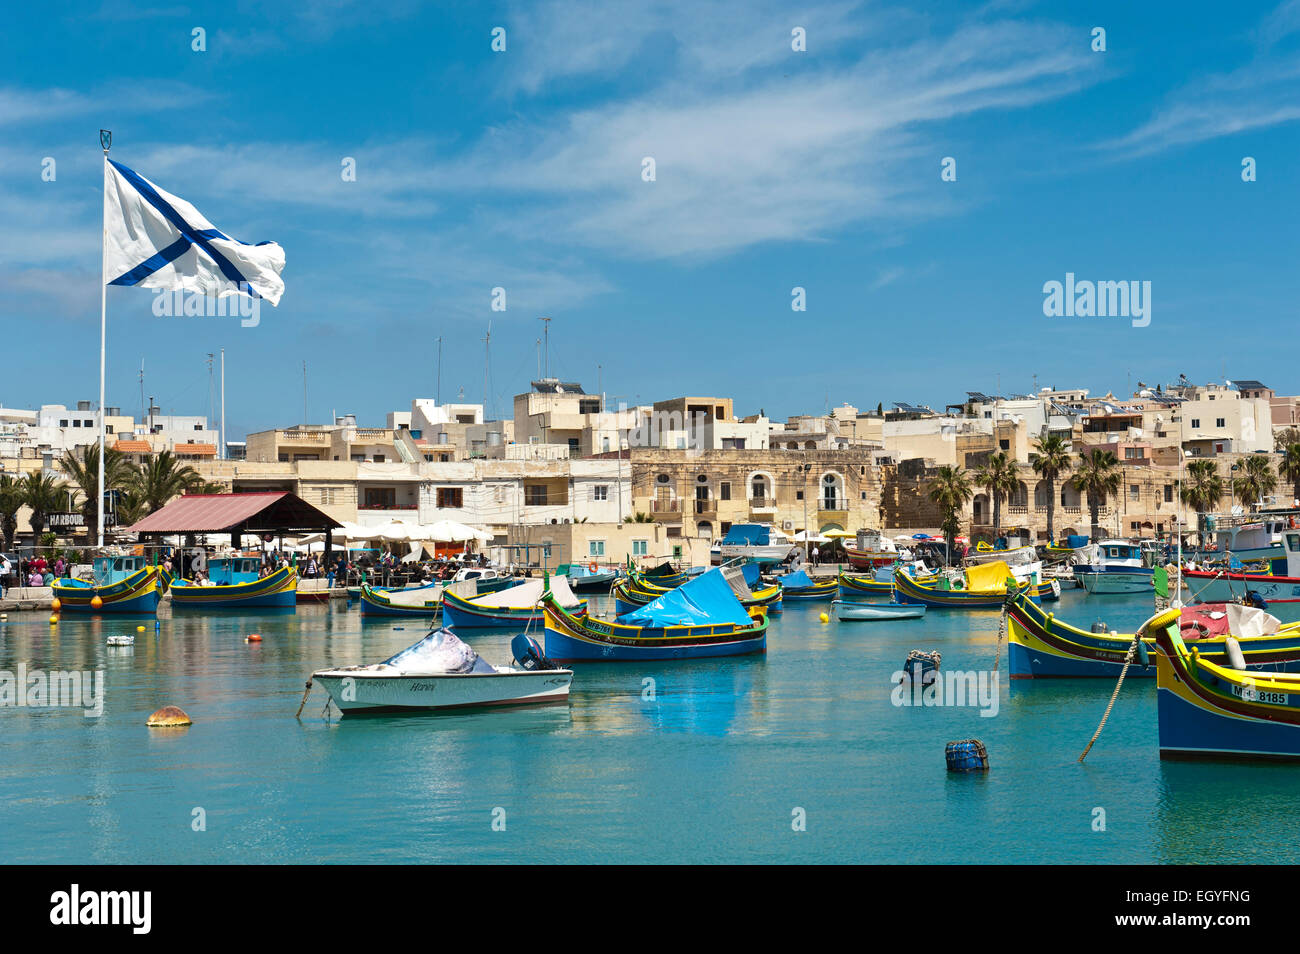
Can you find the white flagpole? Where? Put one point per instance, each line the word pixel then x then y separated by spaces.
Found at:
pixel 105 141
pixel 223 403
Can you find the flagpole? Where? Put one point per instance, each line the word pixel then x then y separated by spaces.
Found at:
pixel 105 142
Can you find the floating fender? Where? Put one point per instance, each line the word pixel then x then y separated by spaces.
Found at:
pixel 1144 656
pixel 1100 627
pixel 967 755
pixel 1232 649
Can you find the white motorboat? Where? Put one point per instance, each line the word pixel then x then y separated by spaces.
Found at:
pixel 1120 568
pixel 756 542
pixel 848 610
pixel 442 672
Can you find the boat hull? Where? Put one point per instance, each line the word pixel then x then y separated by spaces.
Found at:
pixel 908 590
pixel 875 612
pixel 279 589
pixel 570 638
pixel 1110 582
pixel 460 613
pixel 138 594
pixel 378 692
pixel 378 603
pixel 870 559
pixel 818 591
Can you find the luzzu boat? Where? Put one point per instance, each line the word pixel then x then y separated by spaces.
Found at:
pixel 519 604
pixel 589 577
pixel 1040 645
pixel 800 586
pixel 123 584
pixel 1210 710
pixel 856 587
pixel 233 583
pixel 635 592
pixel 665 574
pixel 701 618
pixel 423 601
pixel 985 588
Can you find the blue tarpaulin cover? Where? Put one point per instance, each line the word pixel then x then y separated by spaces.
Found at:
pixel 706 599
pixel 751 572
pixel 1074 541
pixel 796 580
pixel 742 534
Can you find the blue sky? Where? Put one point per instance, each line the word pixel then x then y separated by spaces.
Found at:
pixel 774 169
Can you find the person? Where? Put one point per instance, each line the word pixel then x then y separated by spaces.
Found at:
pixel 5 570
pixel 311 568
pixel 816 553
pixel 35 579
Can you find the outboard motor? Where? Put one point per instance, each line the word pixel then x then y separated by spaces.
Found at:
pixel 528 653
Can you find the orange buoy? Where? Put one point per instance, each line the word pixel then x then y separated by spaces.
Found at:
pixel 56 605
pixel 252 638
pixel 170 716
pixel 96 602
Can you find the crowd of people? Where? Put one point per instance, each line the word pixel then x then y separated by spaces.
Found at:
pixel 31 571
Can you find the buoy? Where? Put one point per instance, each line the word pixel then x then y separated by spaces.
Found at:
pixel 169 716
pixel 53 620
pixel 56 605
pixel 96 602
pixel 252 638
pixel 139 629
pixel 824 618
pixel 967 755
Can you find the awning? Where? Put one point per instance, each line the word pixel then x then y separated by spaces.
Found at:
pixel 270 512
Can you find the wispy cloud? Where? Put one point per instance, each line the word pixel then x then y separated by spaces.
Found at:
pixel 1262 93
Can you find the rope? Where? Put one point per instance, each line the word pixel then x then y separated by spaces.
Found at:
pixel 305 693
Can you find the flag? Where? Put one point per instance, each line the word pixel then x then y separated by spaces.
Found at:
pixel 155 239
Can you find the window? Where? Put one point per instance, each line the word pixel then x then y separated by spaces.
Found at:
pixel 677 551
pixel 1196 422
pixel 379 458
pixel 1220 422
pixel 63 423
pixel 574 445
pixel 640 547
pixel 600 492
pixel 798 495
pixel 378 498
pixel 451 498
pixel 546 548
pixel 1134 492
pixel 1169 493
pixel 724 491
pixel 1132 453
pixel 76 423
pixel 596 548
pixel 1004 444
pixel 327 495
pixel 534 495
pixel 198 427
pixel 760 489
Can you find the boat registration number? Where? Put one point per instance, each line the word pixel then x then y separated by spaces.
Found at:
pixel 1251 694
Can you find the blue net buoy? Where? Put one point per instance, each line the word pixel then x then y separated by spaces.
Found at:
pixel 968 755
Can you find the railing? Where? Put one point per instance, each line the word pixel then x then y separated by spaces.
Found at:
pixel 705 507
pixel 665 506
pixel 373 434
pixel 1017 508
pixel 305 437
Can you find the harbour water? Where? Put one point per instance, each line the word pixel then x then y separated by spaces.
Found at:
pixel 717 763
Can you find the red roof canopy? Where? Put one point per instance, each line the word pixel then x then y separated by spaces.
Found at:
pixel 222 513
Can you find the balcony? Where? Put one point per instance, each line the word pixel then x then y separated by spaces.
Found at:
pixel 762 507
pixel 304 437
pixel 666 511
pixel 705 508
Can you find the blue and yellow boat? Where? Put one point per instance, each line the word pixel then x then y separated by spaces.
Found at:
pixel 421 601
pixel 699 619
pixel 1042 646
pixel 122 584
pixel 521 604
pixel 800 586
pixel 1208 710
pixel 985 588
pixel 634 592
pixel 234 584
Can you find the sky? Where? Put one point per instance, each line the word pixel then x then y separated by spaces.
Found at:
pixel 774 169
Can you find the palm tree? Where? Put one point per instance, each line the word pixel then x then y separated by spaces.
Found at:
pixel 1053 460
pixel 1000 479
pixel 1289 466
pixel 1203 488
pixel 131 506
pixel 1098 475
pixel 951 490
pixel 12 499
pixel 1255 479
pixel 44 495
pixel 83 471
pixel 160 478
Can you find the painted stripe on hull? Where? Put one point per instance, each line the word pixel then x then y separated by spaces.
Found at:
pixel 1190 731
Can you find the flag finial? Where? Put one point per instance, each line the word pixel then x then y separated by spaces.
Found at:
pixel 106 140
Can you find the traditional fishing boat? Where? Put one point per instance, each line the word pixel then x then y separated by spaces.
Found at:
pixel 121 584
pixel 849 610
pixel 1040 645
pixel 701 618
pixel 634 592
pixel 587 577
pixel 873 550
pixel 757 542
pixel 233 583
pixel 800 586
pixel 1209 709
pixel 665 575
pixel 856 587
pixel 519 604
pixel 1280 593
pixel 442 672
pixel 982 587
pixel 1120 568
pixel 422 601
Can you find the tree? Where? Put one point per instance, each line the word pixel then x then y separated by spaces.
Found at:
pixel 1097 474
pixel 1203 488
pixel 131 506
pixel 12 499
pixel 1053 461
pixel 1289 466
pixel 44 495
pixel 1285 437
pixel 1000 479
pixel 160 478
pixel 1255 479
pixel 951 490
pixel 83 471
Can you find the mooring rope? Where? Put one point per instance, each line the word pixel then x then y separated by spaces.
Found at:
pixel 305 693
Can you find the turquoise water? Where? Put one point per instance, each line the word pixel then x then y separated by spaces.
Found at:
pixel 713 768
